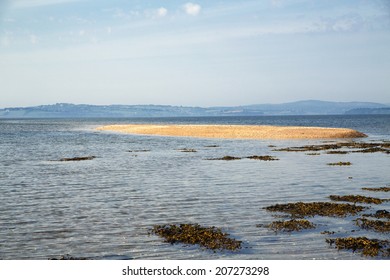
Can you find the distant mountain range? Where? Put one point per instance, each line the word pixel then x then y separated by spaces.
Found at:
pixel 307 107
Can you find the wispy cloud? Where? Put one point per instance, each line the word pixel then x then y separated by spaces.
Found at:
pixel 161 12
pixel 192 9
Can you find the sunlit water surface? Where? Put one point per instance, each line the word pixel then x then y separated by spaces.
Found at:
pixel 103 208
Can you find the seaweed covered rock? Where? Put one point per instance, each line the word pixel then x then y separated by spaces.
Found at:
pixel 209 237
pixel 309 209
pixel 291 225
pixel 368 247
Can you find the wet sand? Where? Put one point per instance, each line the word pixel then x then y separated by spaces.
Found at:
pixel 236 131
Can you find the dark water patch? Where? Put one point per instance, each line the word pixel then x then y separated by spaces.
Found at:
pixel 67 257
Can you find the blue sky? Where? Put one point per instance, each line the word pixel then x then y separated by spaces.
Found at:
pixel 200 53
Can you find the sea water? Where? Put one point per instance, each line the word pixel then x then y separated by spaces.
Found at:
pixel 104 208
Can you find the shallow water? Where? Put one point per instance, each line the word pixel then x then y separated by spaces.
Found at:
pixel 103 208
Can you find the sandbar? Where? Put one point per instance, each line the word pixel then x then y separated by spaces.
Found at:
pixel 235 131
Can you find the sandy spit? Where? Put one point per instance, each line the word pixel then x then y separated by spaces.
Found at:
pixel 236 131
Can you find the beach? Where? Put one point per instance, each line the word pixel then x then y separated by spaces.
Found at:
pixel 236 131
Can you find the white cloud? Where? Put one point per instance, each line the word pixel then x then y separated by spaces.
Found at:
pixel 161 12
pixel 192 9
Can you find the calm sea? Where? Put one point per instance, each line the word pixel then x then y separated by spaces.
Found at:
pixel 103 208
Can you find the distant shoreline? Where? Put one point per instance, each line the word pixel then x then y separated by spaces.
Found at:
pixel 236 131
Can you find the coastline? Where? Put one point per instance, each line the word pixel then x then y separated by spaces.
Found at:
pixel 236 131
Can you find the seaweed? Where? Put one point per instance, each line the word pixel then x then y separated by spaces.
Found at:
pixel 209 237
pixel 380 214
pixel 337 152
pixel 381 189
pixel 291 225
pixel 376 225
pixel 186 150
pixel 362 146
pixel 368 247
pixel 266 158
pixel 341 163
pixel 138 151
pixel 225 158
pixel 310 209
pixel 78 158
pixel 357 198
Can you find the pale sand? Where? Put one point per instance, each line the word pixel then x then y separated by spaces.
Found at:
pixel 236 131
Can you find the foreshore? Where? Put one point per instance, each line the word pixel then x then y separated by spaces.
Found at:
pixel 236 131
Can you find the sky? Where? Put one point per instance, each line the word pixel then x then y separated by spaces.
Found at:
pixel 200 53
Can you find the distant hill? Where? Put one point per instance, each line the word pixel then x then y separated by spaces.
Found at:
pixel 308 107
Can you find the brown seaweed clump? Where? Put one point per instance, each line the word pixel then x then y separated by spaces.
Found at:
pixel 376 225
pixel 380 214
pixel 78 158
pixel 357 198
pixel 225 158
pixel 362 146
pixel 381 189
pixel 368 247
pixel 310 209
pixel 341 163
pixel 186 150
pixel 211 237
pixel 291 225
pixel 266 158
pixel 337 152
